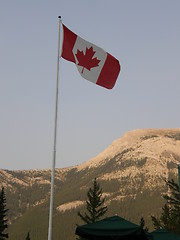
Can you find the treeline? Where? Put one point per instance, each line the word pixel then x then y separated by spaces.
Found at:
pixel 36 227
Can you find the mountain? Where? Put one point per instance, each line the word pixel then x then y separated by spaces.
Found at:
pixel 131 171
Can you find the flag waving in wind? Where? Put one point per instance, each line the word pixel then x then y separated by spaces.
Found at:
pixel 93 63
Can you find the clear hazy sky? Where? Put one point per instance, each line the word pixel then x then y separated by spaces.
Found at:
pixel 143 35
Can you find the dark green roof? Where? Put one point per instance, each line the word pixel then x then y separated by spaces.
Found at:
pixel 162 234
pixel 111 228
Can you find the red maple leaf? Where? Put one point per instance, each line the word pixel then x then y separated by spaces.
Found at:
pixel 86 60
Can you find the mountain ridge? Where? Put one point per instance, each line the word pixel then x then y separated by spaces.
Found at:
pixel 132 172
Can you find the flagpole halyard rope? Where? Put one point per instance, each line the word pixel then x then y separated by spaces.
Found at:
pixel 55 139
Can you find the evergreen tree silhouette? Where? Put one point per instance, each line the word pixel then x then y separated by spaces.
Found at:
pixel 3 217
pixel 28 236
pixel 94 204
pixel 170 217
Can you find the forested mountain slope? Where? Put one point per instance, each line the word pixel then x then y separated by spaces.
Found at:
pixel 131 171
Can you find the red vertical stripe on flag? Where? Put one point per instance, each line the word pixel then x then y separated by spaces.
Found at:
pixel 110 68
pixel 69 40
pixel 109 72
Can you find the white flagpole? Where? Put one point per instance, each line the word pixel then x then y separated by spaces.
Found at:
pixel 55 137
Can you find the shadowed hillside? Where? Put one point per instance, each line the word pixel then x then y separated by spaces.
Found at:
pixel 131 172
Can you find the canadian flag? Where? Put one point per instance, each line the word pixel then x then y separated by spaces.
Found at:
pixel 93 63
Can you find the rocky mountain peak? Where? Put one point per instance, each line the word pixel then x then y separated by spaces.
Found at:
pixel 143 142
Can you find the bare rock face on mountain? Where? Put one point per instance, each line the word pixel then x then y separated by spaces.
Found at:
pixel 132 172
pixel 153 143
pixel 138 162
pixel 153 153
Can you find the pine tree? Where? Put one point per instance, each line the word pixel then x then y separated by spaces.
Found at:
pixel 170 217
pixel 174 201
pixel 94 204
pixel 142 224
pixel 3 219
pixel 165 220
pixel 28 236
